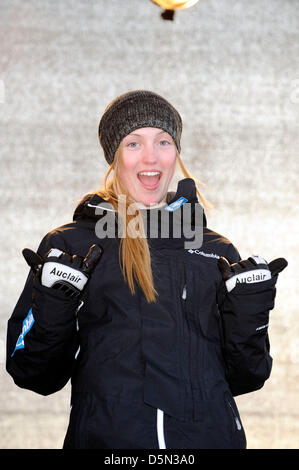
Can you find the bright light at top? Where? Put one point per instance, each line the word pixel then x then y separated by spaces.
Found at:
pixel 175 4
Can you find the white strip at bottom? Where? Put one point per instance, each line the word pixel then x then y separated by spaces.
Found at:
pixel 160 429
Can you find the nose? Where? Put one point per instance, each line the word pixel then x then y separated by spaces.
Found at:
pixel 149 154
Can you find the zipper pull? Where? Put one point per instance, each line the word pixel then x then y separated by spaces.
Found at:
pixel 184 293
pixel 239 427
pixel 237 421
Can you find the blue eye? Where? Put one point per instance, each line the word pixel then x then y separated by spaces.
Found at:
pixel 132 144
pixel 164 143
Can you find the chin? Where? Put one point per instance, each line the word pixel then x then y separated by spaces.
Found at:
pixel 148 203
pixel 149 199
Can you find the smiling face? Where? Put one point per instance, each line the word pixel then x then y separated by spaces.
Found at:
pixel 147 164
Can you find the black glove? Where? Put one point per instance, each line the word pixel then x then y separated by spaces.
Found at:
pixel 252 270
pixel 62 271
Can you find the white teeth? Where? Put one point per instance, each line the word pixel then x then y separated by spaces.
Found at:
pixel 149 173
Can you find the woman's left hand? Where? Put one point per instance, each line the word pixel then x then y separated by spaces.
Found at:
pixel 252 270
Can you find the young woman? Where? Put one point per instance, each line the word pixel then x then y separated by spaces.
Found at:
pixel 157 337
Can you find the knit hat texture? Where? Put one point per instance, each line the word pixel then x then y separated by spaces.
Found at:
pixel 134 110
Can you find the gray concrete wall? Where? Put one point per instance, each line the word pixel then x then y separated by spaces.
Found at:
pixel 231 68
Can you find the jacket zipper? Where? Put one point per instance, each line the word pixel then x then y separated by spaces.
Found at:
pixel 160 429
pixel 160 413
pixel 189 369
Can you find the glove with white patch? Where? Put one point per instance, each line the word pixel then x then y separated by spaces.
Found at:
pixel 59 270
pixel 252 270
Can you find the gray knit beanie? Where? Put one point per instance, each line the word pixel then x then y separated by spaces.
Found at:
pixel 133 110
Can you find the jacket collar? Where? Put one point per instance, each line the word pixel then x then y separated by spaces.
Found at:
pixel 87 207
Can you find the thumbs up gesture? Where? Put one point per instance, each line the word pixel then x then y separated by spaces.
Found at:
pixel 252 270
pixel 59 270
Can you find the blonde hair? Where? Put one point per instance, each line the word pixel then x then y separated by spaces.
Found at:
pixel 134 253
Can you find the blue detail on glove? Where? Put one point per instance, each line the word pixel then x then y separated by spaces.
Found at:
pixel 27 325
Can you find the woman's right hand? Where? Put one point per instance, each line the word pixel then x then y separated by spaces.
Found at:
pixel 62 271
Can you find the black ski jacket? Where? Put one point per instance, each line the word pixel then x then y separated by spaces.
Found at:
pixel 145 375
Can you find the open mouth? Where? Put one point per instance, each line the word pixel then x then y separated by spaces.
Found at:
pixel 149 179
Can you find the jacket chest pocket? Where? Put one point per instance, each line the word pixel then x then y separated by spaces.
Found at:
pixel 198 299
pixel 201 332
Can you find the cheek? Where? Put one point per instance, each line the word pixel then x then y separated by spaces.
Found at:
pixel 169 163
pixel 127 167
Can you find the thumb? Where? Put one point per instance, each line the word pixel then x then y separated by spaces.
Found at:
pixel 32 258
pixel 277 265
pixel 224 268
pixel 91 259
